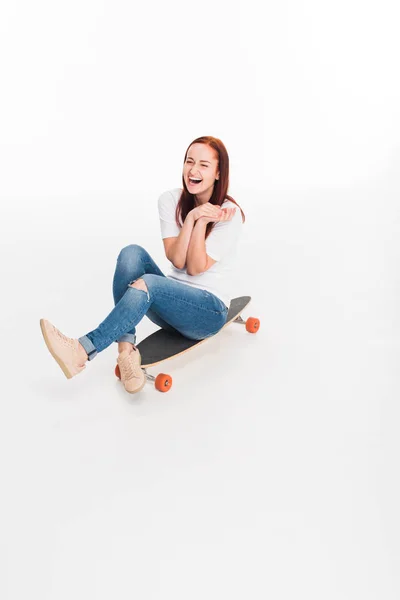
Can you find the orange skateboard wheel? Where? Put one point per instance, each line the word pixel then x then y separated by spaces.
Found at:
pixel 252 325
pixel 163 382
pixel 117 371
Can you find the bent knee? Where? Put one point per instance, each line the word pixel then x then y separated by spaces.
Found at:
pixel 131 249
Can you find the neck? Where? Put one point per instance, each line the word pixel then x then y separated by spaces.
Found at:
pixel 202 198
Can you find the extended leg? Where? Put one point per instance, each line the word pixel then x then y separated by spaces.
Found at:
pixel 127 313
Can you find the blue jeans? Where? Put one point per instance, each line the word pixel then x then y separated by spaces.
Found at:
pixel 174 306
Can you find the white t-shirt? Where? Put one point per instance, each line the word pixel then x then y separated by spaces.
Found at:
pixel 221 245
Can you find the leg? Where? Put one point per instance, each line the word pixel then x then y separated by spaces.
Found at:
pixel 195 313
pixel 190 311
pixel 127 313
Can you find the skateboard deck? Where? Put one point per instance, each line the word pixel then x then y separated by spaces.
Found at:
pixel 163 345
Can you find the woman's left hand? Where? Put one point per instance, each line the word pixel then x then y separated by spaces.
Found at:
pixel 226 215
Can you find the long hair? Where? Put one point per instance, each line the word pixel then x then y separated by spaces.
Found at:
pixel 187 200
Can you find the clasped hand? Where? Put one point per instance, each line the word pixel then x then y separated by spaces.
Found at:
pixel 209 213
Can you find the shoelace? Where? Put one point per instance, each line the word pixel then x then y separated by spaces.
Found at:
pixel 129 368
pixel 64 339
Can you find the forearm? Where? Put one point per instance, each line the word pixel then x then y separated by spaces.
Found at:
pixel 196 258
pixel 177 254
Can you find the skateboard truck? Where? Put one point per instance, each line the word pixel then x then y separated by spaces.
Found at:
pixel 162 382
pixel 148 376
pixel 239 320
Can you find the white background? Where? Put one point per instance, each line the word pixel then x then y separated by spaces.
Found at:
pixel 270 469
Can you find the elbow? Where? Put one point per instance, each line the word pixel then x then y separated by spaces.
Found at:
pixel 193 273
pixel 175 263
pixel 194 269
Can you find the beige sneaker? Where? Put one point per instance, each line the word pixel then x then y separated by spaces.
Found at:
pixel 132 375
pixel 63 349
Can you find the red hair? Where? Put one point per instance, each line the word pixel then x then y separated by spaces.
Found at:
pixel 187 201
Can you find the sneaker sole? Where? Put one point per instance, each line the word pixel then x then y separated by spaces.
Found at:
pixel 63 366
pixel 139 388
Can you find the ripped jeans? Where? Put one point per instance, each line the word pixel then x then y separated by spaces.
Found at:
pixel 174 306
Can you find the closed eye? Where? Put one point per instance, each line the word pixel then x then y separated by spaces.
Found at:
pixel 188 161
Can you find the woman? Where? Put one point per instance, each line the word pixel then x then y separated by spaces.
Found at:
pixel 200 229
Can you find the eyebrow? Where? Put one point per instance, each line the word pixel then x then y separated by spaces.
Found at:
pixel 200 161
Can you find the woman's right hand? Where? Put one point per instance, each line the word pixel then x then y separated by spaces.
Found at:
pixel 205 210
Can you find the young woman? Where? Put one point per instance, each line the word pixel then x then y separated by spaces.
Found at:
pixel 200 229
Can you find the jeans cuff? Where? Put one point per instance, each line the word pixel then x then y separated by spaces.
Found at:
pixel 89 347
pixel 128 337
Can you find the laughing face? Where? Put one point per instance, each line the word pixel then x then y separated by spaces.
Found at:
pixel 200 171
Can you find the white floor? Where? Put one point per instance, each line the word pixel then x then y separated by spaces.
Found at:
pixel 269 470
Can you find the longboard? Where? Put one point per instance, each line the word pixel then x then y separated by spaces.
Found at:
pixel 164 345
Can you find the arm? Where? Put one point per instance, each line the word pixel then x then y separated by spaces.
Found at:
pixel 198 260
pixel 196 254
pixel 178 252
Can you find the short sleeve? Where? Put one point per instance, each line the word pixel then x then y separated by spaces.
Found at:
pixel 166 211
pixel 224 237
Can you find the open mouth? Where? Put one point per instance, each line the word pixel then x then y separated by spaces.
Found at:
pixel 194 181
